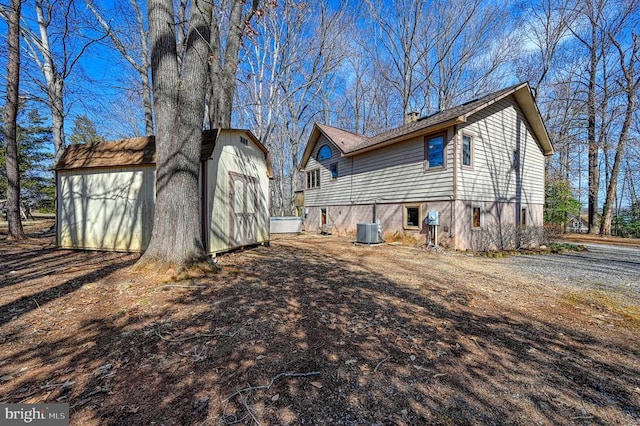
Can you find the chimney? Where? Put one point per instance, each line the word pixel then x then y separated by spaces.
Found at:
pixel 411 117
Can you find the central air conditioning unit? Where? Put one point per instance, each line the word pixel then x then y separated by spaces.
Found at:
pixel 368 233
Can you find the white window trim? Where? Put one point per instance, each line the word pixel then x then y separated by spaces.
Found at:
pixel 317 183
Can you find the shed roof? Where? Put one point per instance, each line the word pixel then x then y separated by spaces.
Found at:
pixel 351 143
pixel 131 152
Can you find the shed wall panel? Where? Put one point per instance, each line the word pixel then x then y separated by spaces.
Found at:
pixel 230 156
pixel 106 209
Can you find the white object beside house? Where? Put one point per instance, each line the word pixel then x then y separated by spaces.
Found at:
pixel 480 165
pixel 106 193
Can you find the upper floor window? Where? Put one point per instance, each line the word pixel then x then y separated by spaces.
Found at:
pixel 434 151
pixel 324 153
pixel 334 171
pixel 244 141
pixel 467 151
pixel 313 179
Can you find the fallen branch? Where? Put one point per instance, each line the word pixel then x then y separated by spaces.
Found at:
pixel 266 387
pixel 195 336
pixel 65 384
pixel 380 363
pixel 182 286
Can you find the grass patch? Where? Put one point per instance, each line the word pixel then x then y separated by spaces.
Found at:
pixel 626 314
pixel 400 237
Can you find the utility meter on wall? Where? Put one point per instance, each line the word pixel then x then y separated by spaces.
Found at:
pixel 433 218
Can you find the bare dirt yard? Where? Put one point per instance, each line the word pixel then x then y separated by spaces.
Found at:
pixel 315 330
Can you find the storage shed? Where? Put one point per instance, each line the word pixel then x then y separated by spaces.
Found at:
pixel 106 193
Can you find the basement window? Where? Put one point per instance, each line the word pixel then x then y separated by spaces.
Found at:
pixel 476 218
pixel 411 216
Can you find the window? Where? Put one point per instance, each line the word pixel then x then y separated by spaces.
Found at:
pixel 523 218
pixel 467 151
pixel 476 221
pixel 334 171
pixel 244 141
pixel 411 217
pixel 434 152
pixel 313 179
pixel 324 153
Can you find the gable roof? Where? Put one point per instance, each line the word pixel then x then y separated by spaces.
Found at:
pixel 137 151
pixel 351 144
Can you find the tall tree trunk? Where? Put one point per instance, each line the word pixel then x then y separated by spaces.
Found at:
pixel 224 64
pixel 594 148
pixel 55 84
pixel 10 124
pixel 179 95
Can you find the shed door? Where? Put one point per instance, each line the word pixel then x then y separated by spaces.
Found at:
pixel 243 210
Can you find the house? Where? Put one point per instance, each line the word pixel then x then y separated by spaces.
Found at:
pixel 479 166
pixel 106 193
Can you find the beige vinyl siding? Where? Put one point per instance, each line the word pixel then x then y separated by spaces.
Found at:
pixel 391 174
pixel 231 156
pixel 498 131
pixel 106 209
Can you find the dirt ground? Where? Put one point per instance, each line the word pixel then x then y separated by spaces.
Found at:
pixel 313 330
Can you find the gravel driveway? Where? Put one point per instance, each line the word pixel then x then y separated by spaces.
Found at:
pixel 608 266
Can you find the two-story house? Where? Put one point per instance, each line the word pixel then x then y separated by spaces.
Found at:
pixel 480 165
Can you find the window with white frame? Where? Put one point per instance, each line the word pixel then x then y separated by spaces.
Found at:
pixel 313 179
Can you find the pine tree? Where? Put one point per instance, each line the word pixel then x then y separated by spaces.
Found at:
pixel 84 131
pixel 34 160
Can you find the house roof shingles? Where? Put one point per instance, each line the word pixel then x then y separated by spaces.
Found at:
pixel 345 140
pixel 351 143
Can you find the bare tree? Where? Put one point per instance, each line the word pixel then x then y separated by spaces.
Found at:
pixel 288 66
pixel 629 83
pixel 544 26
pixel 10 123
pixel 226 38
pixel 137 55
pixel 401 48
pixel 598 22
pixel 56 62
pixel 463 59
